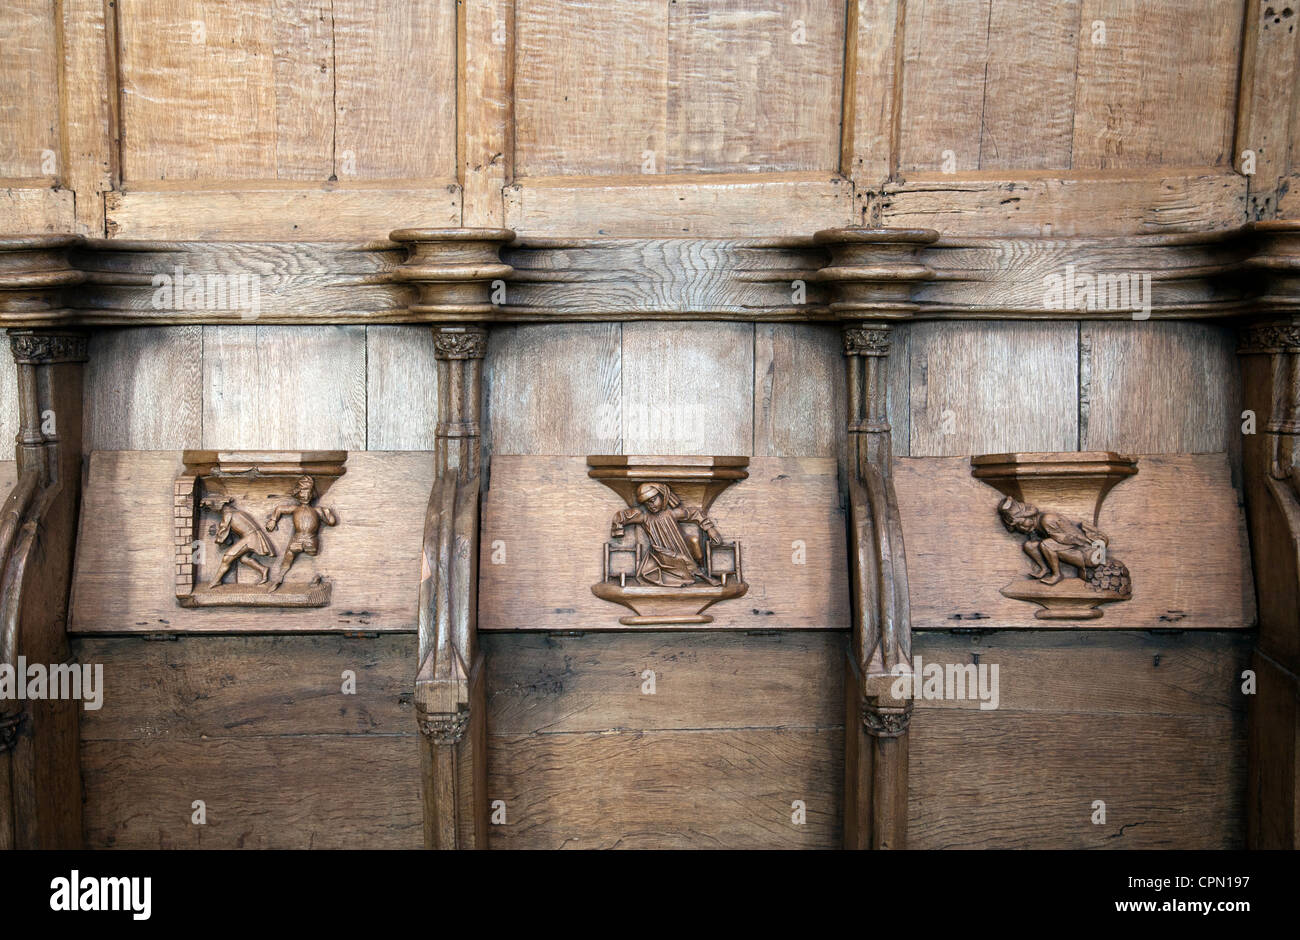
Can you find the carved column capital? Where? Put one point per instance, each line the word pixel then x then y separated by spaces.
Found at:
pixel 1283 336
pixel 40 347
pixel 443 728
pixel 459 342
pixel 866 341
pixel 886 722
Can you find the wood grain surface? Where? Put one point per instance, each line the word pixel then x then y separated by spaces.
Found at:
pixel 551 520
pixel 124 578
pixel 1177 525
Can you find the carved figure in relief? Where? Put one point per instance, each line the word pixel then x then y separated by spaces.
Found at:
pixel 675 557
pixel 249 539
pixel 1053 539
pixel 306 519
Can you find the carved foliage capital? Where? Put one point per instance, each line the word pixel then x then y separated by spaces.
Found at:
pixel 885 722
pixel 46 348
pixel 460 344
pixel 1265 337
pixel 866 341
pixel 444 728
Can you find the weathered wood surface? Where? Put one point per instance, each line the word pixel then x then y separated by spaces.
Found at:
pixel 738 728
pixel 124 574
pixel 1153 725
pixel 1177 525
pixel 549 521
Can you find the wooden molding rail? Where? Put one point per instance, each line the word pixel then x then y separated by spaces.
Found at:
pixel 489 276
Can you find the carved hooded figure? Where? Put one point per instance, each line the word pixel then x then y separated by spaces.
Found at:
pixel 669 560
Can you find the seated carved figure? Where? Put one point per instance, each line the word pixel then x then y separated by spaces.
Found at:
pixel 1053 539
pixel 673 559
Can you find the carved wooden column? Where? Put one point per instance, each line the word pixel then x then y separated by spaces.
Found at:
pixel 40 781
pixel 870 275
pixel 1270 352
pixel 454 270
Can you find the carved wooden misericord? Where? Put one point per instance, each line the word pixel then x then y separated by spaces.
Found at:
pixel 1054 502
pixel 666 560
pixel 232 549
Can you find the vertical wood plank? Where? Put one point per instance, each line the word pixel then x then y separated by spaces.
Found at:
pixel 554 389
pixel 8 403
pixel 284 387
pixel 943 95
pixel 304 89
pixel 29 89
pixel 396 94
pixel 401 388
pixel 991 387
pixel 1028 106
pixel 799 400
pixel 89 108
pixel 688 391
pixel 1267 103
pixel 754 85
pixel 486 109
pixel 590 86
pixel 198 89
pixel 1162 89
pixel 874 32
pixel 144 389
pixel 1159 387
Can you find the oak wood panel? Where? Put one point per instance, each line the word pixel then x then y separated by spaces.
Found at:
pixel 276 387
pixel 401 388
pixel 590 86
pixel 1159 387
pixel 555 389
pixel 280 213
pixel 396 122
pixel 125 583
pixel 630 87
pixel 29 91
pixel 596 682
pixel 988 85
pixel 305 792
pixel 667 789
pixel 182 116
pixel 37 211
pixel 1158 92
pixel 315 98
pixel 754 85
pixel 207 687
pixel 872 90
pixel 485 109
pixel 247 724
pixel 688 392
pixel 144 389
pixel 696 204
pixel 8 405
pixel 89 107
pixel 1267 127
pixel 1151 724
pixel 799 400
pixel 1166 781
pixel 1177 525
pixel 552 520
pixel 8 475
pixel 1273 814
pixel 981 388
pixel 1111 203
